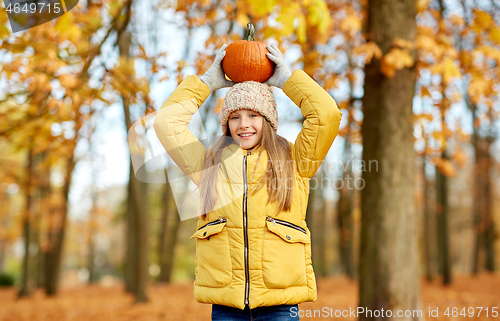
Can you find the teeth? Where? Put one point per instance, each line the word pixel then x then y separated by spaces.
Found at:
pixel 246 135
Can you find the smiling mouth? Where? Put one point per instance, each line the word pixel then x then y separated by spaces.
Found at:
pixel 246 135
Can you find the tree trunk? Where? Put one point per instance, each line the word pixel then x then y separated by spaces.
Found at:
pixel 45 211
pixel 25 286
pixel 139 196
pixel 484 254
pixel 54 254
pixel 50 244
pixel 92 278
pixel 345 208
pixel 137 247
pixel 428 229
pixel 40 281
pixel 164 233
pixel 2 256
pixel 389 264
pixel 321 225
pixel 168 236
pixel 313 221
pixel 91 258
pixel 442 213
pixel 131 239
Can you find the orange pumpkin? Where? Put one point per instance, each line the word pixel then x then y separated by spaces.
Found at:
pixel 246 60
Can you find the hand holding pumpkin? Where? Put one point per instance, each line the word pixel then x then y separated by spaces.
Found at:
pixel 214 78
pixel 281 71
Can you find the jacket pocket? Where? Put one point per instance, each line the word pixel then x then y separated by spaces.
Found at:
pixel 283 254
pixel 213 257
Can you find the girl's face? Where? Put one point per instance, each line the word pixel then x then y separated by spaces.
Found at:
pixel 246 127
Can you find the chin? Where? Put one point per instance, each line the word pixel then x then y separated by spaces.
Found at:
pixel 247 145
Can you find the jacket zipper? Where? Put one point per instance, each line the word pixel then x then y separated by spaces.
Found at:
pixel 218 221
pixel 245 228
pixel 275 220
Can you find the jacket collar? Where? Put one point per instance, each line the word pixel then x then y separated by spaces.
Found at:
pixel 254 173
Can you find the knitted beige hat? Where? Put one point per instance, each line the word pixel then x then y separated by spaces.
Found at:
pixel 250 95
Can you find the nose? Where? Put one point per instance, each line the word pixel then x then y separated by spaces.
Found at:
pixel 244 122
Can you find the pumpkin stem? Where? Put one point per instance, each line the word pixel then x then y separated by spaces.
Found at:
pixel 251 32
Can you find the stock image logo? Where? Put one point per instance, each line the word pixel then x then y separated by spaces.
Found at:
pixel 26 14
pixel 152 164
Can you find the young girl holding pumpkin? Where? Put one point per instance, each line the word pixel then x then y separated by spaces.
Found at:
pixel 253 251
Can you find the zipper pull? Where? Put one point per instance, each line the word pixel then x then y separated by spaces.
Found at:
pixel 270 219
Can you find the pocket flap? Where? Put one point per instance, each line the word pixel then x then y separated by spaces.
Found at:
pixel 209 230
pixel 288 234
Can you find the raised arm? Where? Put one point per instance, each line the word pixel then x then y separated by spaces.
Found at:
pixel 320 126
pixel 171 123
pixel 320 110
pixel 171 126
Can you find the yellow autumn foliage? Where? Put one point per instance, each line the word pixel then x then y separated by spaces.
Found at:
pixel 395 59
pixel 460 158
pixel 445 167
pixel 370 49
pixel 402 43
pixel 351 24
pixel 448 70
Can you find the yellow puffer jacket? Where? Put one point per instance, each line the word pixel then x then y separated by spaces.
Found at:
pixel 245 254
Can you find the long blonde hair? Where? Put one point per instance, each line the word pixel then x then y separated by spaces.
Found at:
pixel 276 178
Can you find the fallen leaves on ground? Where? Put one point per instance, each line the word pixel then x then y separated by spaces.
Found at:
pixel 176 302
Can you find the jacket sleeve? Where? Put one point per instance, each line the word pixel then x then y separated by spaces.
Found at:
pixel 171 126
pixel 320 126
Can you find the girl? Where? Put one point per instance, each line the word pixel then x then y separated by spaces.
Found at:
pixel 253 249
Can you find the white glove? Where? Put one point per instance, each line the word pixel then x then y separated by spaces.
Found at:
pixel 281 71
pixel 214 77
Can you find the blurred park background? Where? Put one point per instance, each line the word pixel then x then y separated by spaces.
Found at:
pixel 416 81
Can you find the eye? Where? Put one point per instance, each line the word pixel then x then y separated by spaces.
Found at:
pixel 234 117
pixel 254 115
